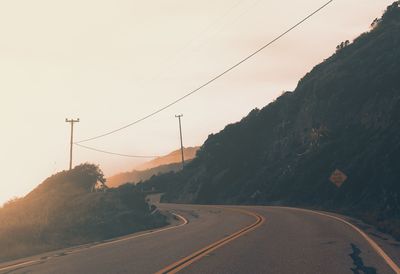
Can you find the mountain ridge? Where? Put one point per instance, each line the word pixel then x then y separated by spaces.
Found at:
pixel 164 164
pixel 344 114
pixel 170 158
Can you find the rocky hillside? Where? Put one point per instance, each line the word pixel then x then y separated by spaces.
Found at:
pixel 344 114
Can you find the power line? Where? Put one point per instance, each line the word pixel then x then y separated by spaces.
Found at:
pixel 211 80
pixel 117 154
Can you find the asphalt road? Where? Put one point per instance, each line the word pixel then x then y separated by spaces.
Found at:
pixel 225 240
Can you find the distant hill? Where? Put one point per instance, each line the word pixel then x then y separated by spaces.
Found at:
pixel 64 211
pixel 164 164
pixel 136 176
pixel 173 157
pixel 344 114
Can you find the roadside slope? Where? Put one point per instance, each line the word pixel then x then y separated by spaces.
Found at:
pixel 64 211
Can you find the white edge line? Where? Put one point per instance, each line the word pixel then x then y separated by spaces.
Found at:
pixel 372 243
pixel 18 265
pixel 183 219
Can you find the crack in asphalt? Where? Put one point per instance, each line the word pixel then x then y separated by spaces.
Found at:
pixel 360 268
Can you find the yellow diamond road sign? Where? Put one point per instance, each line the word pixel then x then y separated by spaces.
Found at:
pixel 338 178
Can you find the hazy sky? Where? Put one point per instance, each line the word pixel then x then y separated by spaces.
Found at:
pixel 111 62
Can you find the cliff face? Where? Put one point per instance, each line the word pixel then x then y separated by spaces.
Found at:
pixel 344 114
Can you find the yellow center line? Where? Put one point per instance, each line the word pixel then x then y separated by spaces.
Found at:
pixel 179 265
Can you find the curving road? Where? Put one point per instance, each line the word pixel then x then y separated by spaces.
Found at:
pixel 219 239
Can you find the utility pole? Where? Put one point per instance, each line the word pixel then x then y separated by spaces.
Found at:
pixel 180 131
pixel 71 121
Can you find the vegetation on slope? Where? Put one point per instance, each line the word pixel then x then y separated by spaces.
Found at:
pixel 65 210
pixel 344 114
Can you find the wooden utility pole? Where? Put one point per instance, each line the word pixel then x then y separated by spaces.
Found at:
pixel 180 131
pixel 71 121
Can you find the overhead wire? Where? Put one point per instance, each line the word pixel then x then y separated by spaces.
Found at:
pixel 117 154
pixel 196 89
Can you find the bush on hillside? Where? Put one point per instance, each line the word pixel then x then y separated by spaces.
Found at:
pixel 65 210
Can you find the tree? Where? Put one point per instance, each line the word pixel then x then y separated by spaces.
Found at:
pixel 342 45
pixel 375 23
pixel 87 176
